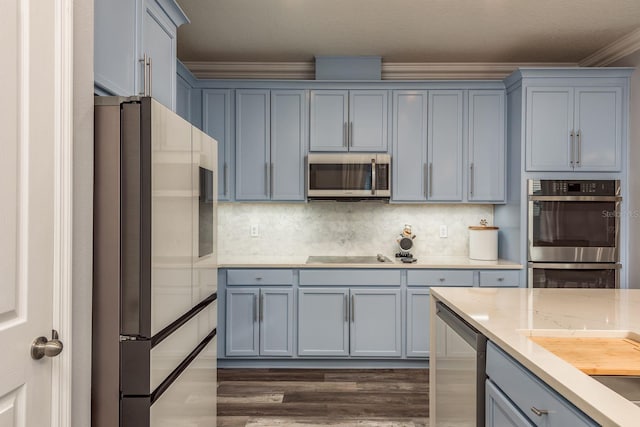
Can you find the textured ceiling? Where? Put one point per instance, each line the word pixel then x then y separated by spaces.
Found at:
pixel 403 30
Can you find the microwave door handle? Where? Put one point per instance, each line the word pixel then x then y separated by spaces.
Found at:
pixel 373 177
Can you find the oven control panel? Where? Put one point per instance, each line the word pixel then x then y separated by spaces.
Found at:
pixel 548 187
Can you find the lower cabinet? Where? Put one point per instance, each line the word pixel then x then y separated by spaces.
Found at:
pixel 500 412
pixel 418 312
pixel 343 321
pixel 259 322
pixel 527 396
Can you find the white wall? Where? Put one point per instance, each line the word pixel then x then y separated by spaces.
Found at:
pixel 82 211
pixel 344 228
pixel 633 60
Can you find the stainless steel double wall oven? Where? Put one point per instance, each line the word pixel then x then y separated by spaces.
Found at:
pixel 574 233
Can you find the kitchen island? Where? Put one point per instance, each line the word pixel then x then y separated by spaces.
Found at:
pixel 509 317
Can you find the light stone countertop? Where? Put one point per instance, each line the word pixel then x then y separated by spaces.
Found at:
pixel 431 262
pixel 507 316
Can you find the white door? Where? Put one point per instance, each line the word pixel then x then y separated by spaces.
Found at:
pixel 32 115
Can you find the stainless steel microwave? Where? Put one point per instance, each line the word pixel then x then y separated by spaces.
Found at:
pixel 348 176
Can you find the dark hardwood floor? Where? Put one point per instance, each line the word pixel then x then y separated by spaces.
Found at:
pixel 334 397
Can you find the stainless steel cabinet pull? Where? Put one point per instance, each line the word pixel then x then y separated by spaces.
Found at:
pixel 271 180
pixel 261 308
pixel 472 180
pixel 578 148
pixel 150 68
pixel 145 80
pixel 350 134
pixel 353 308
pixel 430 179
pixel 572 146
pixel 225 178
pixel 346 308
pixel 255 308
pixel 345 135
pixel 442 279
pixel 42 347
pixel 500 279
pixel 258 278
pixel 266 179
pixel 539 412
pixel 373 177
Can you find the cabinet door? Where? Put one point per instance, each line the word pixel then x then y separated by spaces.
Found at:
pixel 276 322
pixel 418 310
pixel 409 145
pixel 115 58
pixel 368 116
pixel 159 43
pixel 499 411
pixel 288 130
pixel 323 322
pixel 252 144
pixel 216 122
pixel 548 127
pixel 183 98
pixel 598 119
pixel 329 111
pixel 486 146
pixel 444 180
pixel 375 322
pixel 242 322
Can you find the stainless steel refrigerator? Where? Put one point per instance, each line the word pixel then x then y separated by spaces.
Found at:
pixel 155 272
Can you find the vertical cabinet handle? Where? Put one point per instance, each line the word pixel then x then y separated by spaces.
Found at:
pixel 353 308
pixel 255 308
pixel 266 179
pixel 430 179
pixel 271 181
pixel 225 179
pixel 145 79
pixel 578 148
pixel 471 182
pixel 150 71
pixel 373 177
pixel 350 134
pixel 345 134
pixel 261 308
pixel 346 308
pixel 572 147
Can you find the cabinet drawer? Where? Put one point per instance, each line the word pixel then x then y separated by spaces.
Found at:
pixel 506 279
pixel 259 277
pixel 440 278
pixel 349 277
pixel 528 392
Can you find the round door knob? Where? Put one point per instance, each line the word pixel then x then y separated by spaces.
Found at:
pixel 42 347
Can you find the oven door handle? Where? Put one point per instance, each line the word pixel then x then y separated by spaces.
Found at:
pixel 582 266
pixel 575 198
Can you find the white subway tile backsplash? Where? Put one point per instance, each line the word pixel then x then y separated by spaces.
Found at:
pixel 345 228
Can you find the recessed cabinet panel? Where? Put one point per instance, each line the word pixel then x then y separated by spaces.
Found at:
pixel 217 122
pixel 418 334
pixel 486 146
pixel 242 322
pixel 598 119
pixel 368 120
pixel 252 144
pixel 409 146
pixel 375 322
pixel 549 125
pixel 500 412
pixel 444 171
pixel 276 322
pixel 323 322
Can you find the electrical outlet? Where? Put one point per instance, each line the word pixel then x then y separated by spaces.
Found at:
pixel 254 230
pixel 443 231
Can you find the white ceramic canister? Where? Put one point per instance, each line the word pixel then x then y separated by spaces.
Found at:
pixel 483 243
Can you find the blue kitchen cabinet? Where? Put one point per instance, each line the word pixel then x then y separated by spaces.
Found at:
pixel 348 120
pixel 418 309
pixel 183 98
pixel 409 140
pixel 529 395
pixel 486 135
pixel 323 322
pixel 242 328
pixel 288 141
pixel 217 122
pixel 445 139
pixel 127 32
pixel 500 411
pixel 574 128
pixel 276 322
pixel 270 139
pixel 375 323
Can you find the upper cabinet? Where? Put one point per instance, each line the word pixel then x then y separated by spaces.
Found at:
pixel 217 111
pixel 348 120
pixel 270 140
pixel 135 48
pixel 486 146
pixel 574 128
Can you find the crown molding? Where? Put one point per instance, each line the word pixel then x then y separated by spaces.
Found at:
pixel 618 49
pixel 390 70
